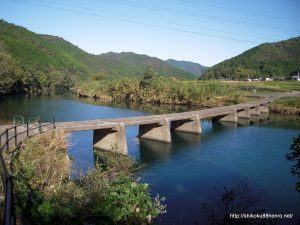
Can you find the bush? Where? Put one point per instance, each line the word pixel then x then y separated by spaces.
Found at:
pixel 106 195
pixel 294 156
pixel 158 89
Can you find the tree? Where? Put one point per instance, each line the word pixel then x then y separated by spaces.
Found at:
pixel 261 67
pixel 295 156
pixel 150 73
pixel 233 201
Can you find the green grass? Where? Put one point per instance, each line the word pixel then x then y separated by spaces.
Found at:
pixel 268 86
pixel 289 102
pixel 162 90
pixel 170 91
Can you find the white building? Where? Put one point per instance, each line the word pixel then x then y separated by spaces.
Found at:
pixel 269 79
pixel 296 77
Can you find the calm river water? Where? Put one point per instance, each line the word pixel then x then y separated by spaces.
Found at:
pixel 194 170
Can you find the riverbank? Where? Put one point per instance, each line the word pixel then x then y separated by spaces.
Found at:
pixel 107 194
pixel 161 90
pixel 286 106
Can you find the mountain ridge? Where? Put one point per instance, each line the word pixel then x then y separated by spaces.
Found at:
pixel 192 67
pixel 276 59
pixel 31 62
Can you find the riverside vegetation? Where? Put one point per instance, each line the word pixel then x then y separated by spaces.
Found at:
pixel 153 88
pixel 286 106
pixel 108 194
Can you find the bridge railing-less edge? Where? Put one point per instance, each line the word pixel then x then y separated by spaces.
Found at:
pixel 7 179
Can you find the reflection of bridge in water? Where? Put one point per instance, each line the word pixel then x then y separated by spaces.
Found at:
pixel 112 132
pixel 151 150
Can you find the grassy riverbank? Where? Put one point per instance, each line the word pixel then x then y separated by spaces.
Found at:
pixel 267 86
pixel 107 194
pixel 162 90
pixel 286 106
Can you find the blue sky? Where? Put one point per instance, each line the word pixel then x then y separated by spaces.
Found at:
pixel 202 31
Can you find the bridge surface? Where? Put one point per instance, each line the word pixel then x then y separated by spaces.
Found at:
pixel 109 132
pixel 149 119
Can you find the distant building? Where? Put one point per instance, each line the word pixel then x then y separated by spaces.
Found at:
pixel 296 77
pixel 268 79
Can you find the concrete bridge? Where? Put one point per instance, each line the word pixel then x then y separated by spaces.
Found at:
pixel 112 132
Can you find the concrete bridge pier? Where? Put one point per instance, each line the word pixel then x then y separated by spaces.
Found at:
pixel 110 138
pixel 191 125
pixel 264 108
pixel 231 117
pixel 244 114
pixel 264 117
pixel 159 131
pixel 255 111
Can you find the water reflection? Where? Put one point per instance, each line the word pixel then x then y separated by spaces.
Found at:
pixel 229 125
pixel 233 201
pixel 219 126
pixel 244 122
pixel 145 107
pixel 151 150
pixel 184 139
pixel 256 120
pixel 284 122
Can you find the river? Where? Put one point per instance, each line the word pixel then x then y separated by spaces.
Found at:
pixel 193 171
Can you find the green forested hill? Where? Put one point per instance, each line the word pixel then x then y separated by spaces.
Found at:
pixel 267 60
pixel 34 62
pixel 191 67
pixel 128 64
pixel 29 61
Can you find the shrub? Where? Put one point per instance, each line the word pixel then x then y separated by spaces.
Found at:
pixel 294 156
pixel 107 194
pixel 159 89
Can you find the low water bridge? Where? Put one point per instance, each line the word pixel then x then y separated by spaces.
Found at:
pixel 112 132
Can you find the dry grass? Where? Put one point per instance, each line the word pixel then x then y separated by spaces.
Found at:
pixel 286 106
pixel 44 159
pixel 160 90
pixel 45 195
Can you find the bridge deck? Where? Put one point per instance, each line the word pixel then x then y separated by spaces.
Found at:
pixel 141 120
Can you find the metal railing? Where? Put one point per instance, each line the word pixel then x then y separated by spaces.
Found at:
pixel 17 120
pixel 6 177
